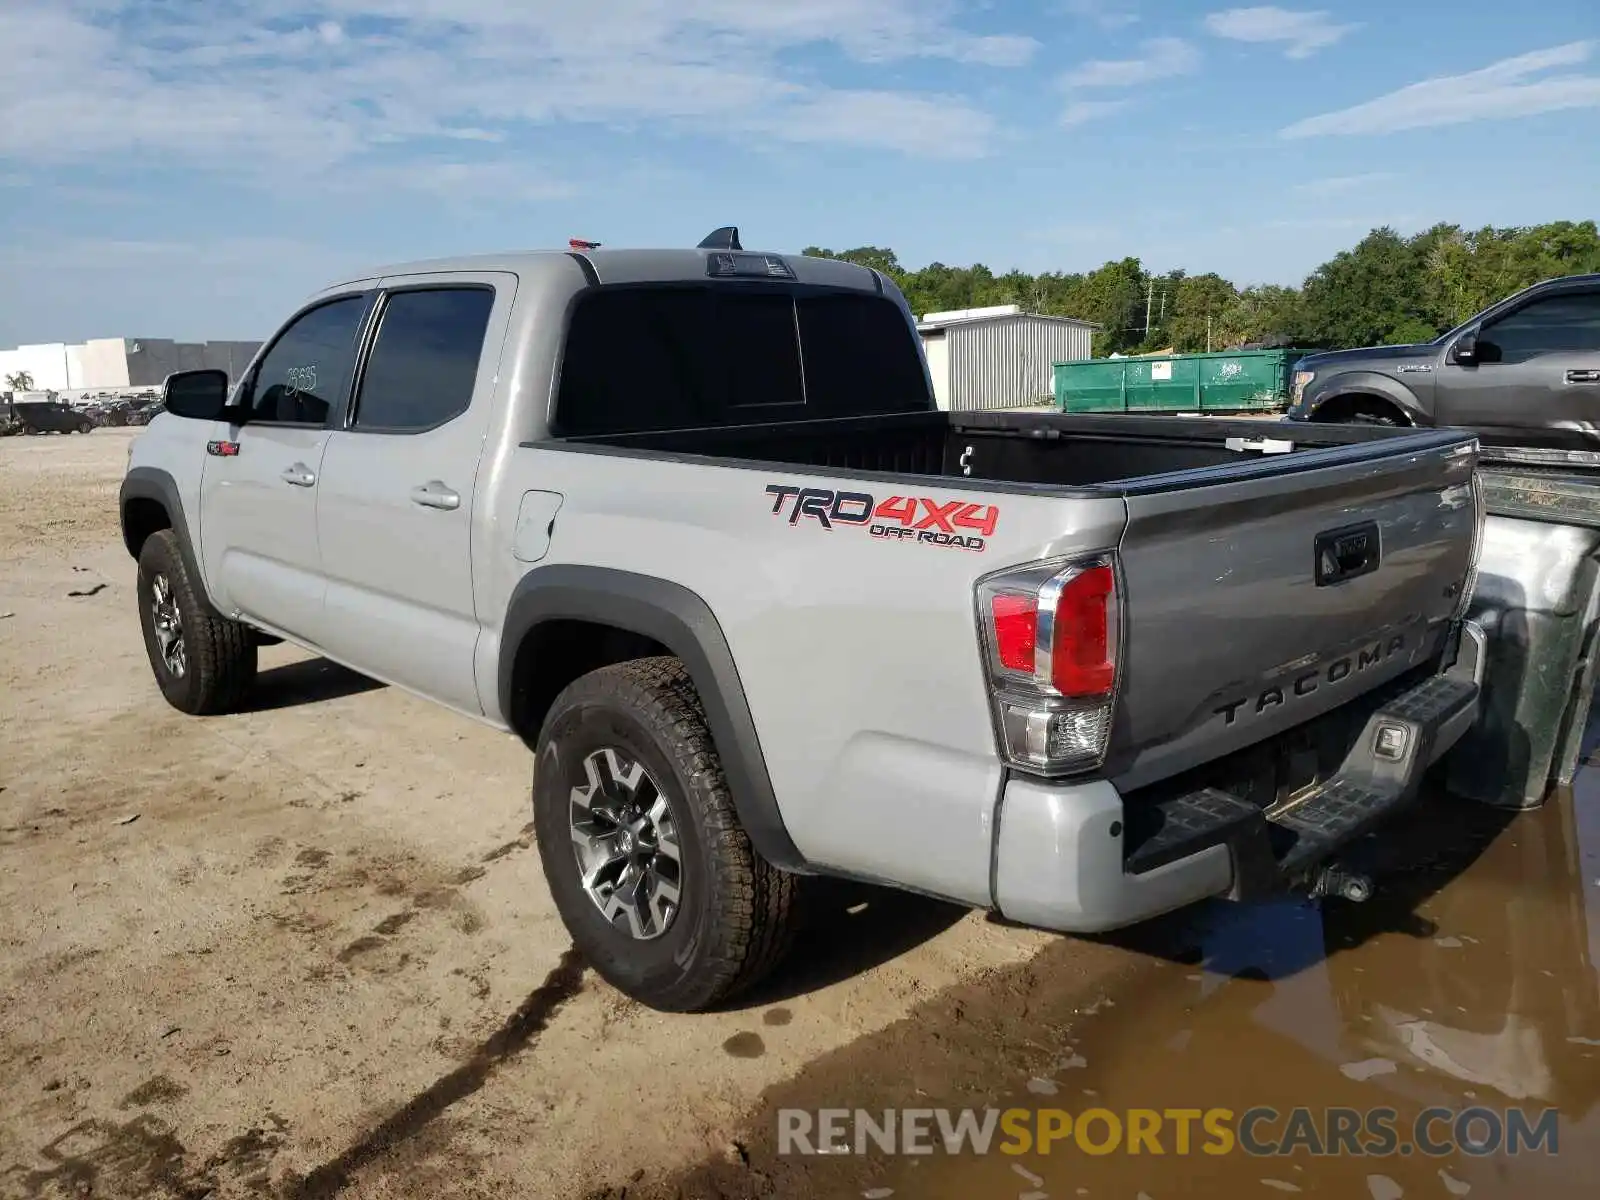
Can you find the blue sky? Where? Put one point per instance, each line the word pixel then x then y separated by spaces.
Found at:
pixel 192 168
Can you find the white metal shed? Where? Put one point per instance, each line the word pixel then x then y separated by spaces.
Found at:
pixel 998 357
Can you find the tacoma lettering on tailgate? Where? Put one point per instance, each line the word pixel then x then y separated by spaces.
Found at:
pixel 1380 650
pixel 920 519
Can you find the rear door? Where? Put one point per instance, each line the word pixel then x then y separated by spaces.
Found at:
pixel 395 507
pixel 258 508
pixel 1538 381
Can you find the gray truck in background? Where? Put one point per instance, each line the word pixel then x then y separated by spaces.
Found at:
pixel 690 523
pixel 1525 371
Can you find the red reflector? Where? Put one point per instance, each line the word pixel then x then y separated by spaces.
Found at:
pixel 1080 661
pixel 1015 628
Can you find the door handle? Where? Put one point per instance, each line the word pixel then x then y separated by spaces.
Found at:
pixel 1591 376
pixel 435 494
pixel 300 475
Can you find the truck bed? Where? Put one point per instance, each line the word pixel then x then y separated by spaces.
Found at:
pixel 1221 529
pixel 1094 454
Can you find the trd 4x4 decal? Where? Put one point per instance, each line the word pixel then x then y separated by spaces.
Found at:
pixel 921 519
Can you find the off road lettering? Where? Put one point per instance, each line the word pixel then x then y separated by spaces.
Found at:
pixel 957 524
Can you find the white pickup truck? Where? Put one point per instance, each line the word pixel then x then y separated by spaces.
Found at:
pixel 690 523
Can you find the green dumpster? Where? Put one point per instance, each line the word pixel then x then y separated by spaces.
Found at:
pixel 1096 385
pixel 1224 381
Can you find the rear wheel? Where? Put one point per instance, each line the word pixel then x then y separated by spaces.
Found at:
pixel 202 661
pixel 653 875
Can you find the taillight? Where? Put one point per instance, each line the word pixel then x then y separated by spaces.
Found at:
pixel 1015 630
pixel 1050 634
pixel 1081 662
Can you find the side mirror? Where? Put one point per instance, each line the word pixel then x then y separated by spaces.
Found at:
pixel 1465 351
pixel 197 395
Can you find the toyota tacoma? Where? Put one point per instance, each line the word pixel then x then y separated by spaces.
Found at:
pixel 690 523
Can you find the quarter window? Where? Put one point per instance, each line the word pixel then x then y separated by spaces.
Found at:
pixel 424 361
pixel 307 370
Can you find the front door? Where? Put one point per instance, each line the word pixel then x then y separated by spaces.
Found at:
pixel 1538 381
pixel 395 505
pixel 258 508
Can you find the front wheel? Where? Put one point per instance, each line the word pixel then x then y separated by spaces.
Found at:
pixel 203 662
pixel 84 427
pixel 649 867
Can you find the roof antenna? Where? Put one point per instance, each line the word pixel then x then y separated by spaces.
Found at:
pixel 726 238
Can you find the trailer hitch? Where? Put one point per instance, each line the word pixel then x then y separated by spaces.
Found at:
pixel 1347 885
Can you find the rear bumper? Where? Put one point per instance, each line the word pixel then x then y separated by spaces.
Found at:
pixel 1061 862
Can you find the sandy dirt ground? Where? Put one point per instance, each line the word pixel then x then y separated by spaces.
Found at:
pixel 307 949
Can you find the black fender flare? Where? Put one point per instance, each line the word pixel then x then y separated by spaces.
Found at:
pixel 684 623
pixel 152 483
pixel 1370 383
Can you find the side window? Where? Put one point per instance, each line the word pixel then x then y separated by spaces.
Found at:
pixel 306 371
pixel 424 361
pixel 1560 325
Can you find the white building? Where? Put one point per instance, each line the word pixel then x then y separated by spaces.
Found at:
pixel 998 357
pixel 110 363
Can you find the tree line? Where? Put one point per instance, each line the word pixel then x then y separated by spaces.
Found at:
pixel 1387 289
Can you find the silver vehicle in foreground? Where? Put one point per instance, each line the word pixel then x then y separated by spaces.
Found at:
pixel 690 523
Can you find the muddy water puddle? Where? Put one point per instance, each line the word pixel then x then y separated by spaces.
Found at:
pixel 1467 986
pixel 1467 983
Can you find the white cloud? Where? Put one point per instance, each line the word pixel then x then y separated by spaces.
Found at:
pixel 264 86
pixel 932 127
pixel 998 50
pixel 473 183
pixel 1302 33
pixel 1513 87
pixel 1081 112
pixel 1163 57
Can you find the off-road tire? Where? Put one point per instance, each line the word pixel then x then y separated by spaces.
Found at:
pixel 221 654
pixel 736 911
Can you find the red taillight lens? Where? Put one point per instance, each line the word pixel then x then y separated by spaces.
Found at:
pixel 1015 630
pixel 1050 631
pixel 1081 652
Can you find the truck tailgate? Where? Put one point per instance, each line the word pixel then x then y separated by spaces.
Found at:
pixel 1259 601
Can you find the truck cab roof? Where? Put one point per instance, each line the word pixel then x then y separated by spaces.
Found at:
pixel 674 265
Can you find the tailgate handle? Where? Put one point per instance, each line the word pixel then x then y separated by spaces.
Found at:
pixel 1346 553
